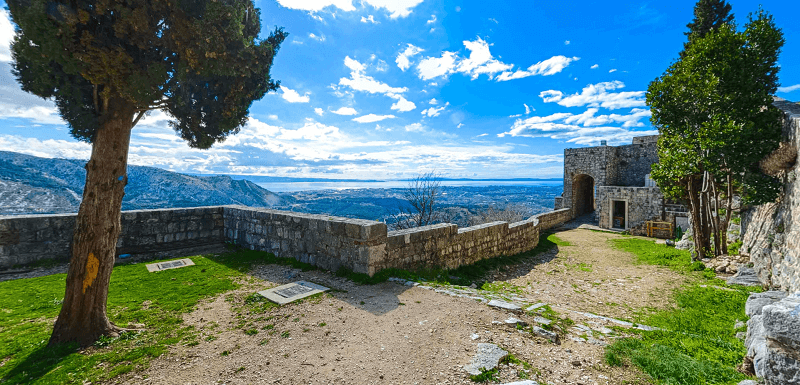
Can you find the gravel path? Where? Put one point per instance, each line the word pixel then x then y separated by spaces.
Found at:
pixel 395 334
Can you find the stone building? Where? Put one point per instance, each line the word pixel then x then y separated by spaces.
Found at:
pixel 613 182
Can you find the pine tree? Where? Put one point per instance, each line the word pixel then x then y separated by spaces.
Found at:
pixel 107 63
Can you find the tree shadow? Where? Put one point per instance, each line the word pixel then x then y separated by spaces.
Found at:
pixel 40 362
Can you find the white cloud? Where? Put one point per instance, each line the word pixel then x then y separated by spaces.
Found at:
pixel 566 42
pixel 359 81
pixel 319 111
pixel 431 20
pixel 311 131
pixel 319 38
pixel 482 135
pixel 597 95
pixel 370 19
pixel 403 58
pixel 480 60
pixel 528 109
pixel 396 8
pixel 345 111
pixel 293 96
pixel 402 104
pixel 6 35
pixel 585 128
pixel 433 67
pixel 547 67
pixel 433 102
pixel 372 118
pixel 612 70
pixel 494 20
pixel 415 127
pixel 48 148
pixel 460 125
pixel 595 66
pixel 789 88
pixel 433 111
pixel 273 117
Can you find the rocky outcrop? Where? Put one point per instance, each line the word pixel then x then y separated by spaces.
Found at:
pixel 773 337
pixel 771 232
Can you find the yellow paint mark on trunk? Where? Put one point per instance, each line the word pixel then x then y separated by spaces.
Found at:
pixel 92 266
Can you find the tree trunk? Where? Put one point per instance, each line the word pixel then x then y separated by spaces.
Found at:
pixel 83 316
pixel 695 205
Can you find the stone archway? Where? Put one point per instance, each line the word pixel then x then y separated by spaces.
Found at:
pixel 583 194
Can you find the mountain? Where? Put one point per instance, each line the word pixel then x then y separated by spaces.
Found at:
pixel 33 185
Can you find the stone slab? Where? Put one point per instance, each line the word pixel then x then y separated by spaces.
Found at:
pixel 504 305
pixel 487 358
pixel 291 292
pixel 745 276
pixel 175 264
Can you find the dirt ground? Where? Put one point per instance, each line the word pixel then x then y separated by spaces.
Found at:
pixel 395 334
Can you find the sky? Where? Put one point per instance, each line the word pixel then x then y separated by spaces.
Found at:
pixel 389 89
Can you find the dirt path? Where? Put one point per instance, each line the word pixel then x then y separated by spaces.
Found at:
pixel 394 334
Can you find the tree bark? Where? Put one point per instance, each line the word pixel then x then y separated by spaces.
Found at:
pixel 83 316
pixel 699 234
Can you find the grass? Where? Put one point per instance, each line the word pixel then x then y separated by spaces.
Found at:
pixel 462 276
pixel 696 343
pixel 28 308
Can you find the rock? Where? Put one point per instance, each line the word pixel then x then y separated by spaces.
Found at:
pixel 536 306
pixel 553 337
pixel 756 344
pixel 670 242
pixel 741 335
pixel 487 358
pixel 685 244
pixel 782 330
pixel 504 305
pixel 597 342
pixel 515 321
pixel 474 336
pixel 748 382
pixel 746 276
pixel 473 286
pixel 757 301
pixel 524 382
pixel 739 324
pixel 542 320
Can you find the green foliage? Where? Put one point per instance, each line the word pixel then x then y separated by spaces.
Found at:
pixel 733 248
pixel 709 15
pixel 648 252
pixel 486 376
pixel 157 300
pixel 696 343
pixel 90 56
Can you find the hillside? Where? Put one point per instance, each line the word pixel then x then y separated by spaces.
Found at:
pixel 30 184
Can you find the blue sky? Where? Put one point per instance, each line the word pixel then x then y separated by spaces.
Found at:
pixel 379 89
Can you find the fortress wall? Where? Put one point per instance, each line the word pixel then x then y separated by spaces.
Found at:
pixel 146 234
pixel 644 204
pixel 771 232
pixel 633 161
pixel 332 243
pixel 321 240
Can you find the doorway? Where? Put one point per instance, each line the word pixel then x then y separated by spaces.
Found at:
pixel 619 214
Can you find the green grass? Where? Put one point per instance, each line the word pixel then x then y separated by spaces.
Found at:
pixel 464 275
pixel 650 253
pixel 28 308
pixel 696 343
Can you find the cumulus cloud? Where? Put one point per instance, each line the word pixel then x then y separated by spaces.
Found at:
pixel 594 66
pixel 597 95
pixel 480 61
pixel 403 58
pixel 358 81
pixel 345 111
pixel 319 38
pixel 293 96
pixel 566 42
pixel 370 19
pixel 372 118
pixel 415 127
pixel 433 102
pixel 586 128
pixel 789 88
pixel 434 111
pixel 402 104
pixel 431 20
pixel 434 67
pixel 6 35
pixel 319 111
pixel 612 70
pixel 396 8
pixel 547 67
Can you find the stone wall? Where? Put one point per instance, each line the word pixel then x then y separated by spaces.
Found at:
pixel 329 242
pixel 771 232
pixel 644 204
pixel 145 234
pixel 321 240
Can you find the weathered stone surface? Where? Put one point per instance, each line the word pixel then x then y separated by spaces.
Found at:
pixel 552 336
pixel 524 382
pixel 771 232
pixel 782 330
pixel 535 306
pixel 291 292
pixel 757 301
pixel 487 357
pixel 504 305
pixel 745 276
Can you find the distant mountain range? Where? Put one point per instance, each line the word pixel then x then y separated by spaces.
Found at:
pixel 33 185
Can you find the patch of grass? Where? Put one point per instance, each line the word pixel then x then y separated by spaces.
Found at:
pixel 486 376
pixel 696 343
pixel 501 287
pixel 648 252
pixel 251 332
pixel 462 276
pixel 285 334
pixel 579 266
pixel 733 248
pixel 562 323
pixel 157 300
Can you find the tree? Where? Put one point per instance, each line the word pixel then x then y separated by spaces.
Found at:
pixel 423 193
pixel 709 15
pixel 106 64
pixel 713 108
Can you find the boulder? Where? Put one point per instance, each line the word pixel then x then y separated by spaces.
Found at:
pixel 782 330
pixel 757 301
pixel 487 358
pixel 746 276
